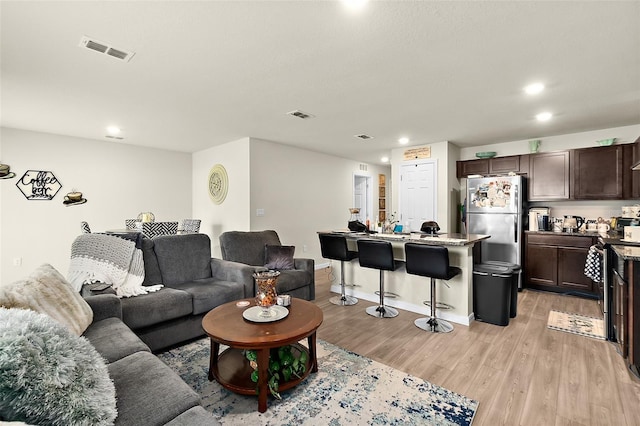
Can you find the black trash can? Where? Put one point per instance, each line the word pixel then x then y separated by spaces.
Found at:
pixel 515 288
pixel 492 293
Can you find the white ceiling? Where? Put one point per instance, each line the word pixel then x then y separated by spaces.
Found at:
pixel 210 72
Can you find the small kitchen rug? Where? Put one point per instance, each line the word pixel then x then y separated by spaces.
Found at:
pixel 576 324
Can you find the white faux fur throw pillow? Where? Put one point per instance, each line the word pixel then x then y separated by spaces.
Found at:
pixel 48 292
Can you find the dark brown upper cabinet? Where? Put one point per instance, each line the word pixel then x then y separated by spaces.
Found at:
pixel 549 176
pixel 511 163
pixel 493 166
pixel 635 174
pixel 472 167
pixel 602 173
pixel 597 173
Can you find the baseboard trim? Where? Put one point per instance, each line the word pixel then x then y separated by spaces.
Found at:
pixel 322 266
pixel 418 309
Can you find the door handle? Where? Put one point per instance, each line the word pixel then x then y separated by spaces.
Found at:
pixel 515 228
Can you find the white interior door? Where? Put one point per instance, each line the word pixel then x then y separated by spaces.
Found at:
pixel 362 196
pixel 418 194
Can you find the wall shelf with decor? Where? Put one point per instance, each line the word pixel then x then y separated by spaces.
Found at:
pixel 382 197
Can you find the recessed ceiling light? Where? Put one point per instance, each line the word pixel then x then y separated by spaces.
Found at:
pixel 355 4
pixel 113 130
pixel 544 116
pixel 385 159
pixel 403 141
pixel 534 89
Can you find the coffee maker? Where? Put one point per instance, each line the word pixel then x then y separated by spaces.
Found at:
pixel 572 223
pixel 542 218
pixel 544 222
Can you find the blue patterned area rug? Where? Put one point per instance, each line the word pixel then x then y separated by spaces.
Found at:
pixel 347 389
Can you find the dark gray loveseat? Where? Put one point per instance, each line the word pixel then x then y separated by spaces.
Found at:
pixel 194 283
pixel 249 248
pixel 147 391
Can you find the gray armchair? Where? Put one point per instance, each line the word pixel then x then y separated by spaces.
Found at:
pixel 249 248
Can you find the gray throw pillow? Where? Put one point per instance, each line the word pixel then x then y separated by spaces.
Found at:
pixel 48 376
pixel 48 292
pixel 279 258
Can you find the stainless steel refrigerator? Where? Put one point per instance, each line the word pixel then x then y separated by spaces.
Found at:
pixel 495 207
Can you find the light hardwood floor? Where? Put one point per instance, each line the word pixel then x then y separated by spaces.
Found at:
pixel 522 374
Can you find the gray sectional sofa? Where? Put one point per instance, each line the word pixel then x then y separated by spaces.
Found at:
pixel 249 248
pixel 194 283
pixel 148 392
pixel 125 331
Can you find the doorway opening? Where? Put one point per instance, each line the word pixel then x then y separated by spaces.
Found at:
pixel 363 197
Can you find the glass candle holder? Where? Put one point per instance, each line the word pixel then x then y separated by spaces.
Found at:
pixel 266 296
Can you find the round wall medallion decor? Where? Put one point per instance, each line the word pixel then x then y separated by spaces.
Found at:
pixel 218 183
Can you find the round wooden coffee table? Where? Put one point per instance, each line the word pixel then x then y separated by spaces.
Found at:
pixel 226 325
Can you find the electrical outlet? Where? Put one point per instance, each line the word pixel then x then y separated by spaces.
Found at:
pixel 305 248
pixel 17 261
pixel 260 212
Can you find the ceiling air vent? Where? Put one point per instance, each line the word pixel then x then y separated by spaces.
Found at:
pixel 105 48
pixel 364 137
pixel 114 137
pixel 300 114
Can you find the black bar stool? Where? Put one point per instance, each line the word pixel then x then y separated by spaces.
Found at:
pixel 433 262
pixel 335 247
pixel 378 255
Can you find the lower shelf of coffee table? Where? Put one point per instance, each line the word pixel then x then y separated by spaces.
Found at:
pixel 234 372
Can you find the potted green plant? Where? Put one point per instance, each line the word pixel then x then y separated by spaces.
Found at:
pixel 285 362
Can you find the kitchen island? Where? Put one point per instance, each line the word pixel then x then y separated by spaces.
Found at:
pixel 413 290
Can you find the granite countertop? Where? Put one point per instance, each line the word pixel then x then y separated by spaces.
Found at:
pixel 452 239
pixel 627 252
pixel 572 234
pixel 611 238
pixel 616 239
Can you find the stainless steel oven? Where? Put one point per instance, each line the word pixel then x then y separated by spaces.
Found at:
pixel 606 288
pixel 619 310
pixel 613 286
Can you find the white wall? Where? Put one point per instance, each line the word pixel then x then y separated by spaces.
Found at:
pixel 453 153
pixel 233 213
pixel 119 181
pixel 626 134
pixel 303 192
pixel 448 186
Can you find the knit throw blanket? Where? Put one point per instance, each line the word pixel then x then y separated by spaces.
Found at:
pixel 111 259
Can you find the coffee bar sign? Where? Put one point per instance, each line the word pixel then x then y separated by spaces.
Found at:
pixel 417 153
pixel 39 185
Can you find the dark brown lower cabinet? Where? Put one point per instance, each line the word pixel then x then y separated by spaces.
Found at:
pixel 555 262
pixel 571 262
pixel 542 265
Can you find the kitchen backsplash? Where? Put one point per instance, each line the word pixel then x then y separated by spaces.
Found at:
pixel 586 209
